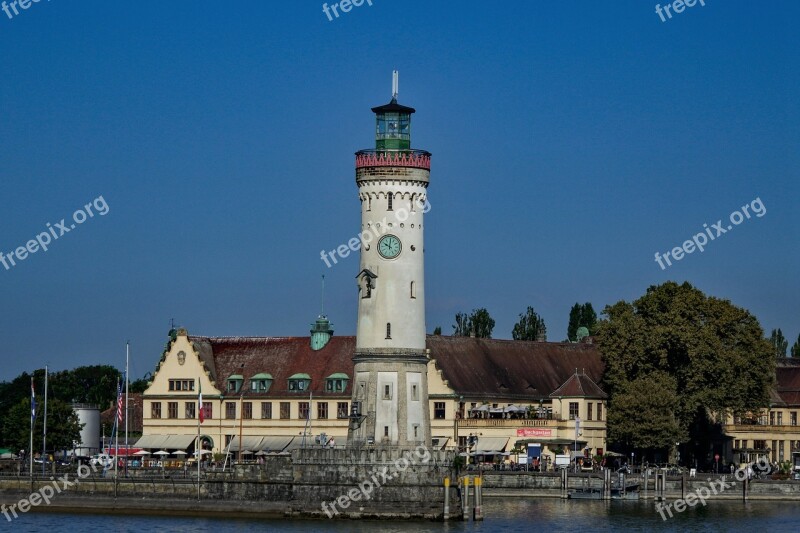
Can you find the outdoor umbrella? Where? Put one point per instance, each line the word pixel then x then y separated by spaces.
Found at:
pixel 161 452
pixel 142 452
pixel 181 452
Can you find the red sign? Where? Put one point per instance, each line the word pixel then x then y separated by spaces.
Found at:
pixel 534 432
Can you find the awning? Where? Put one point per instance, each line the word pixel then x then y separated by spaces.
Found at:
pixel 173 442
pixel 486 445
pixel 251 444
pixel 274 444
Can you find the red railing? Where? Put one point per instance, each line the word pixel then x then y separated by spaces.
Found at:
pixel 393 158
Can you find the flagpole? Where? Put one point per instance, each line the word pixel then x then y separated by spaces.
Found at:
pixel 127 447
pixel 33 417
pixel 44 427
pixel 116 438
pixel 197 444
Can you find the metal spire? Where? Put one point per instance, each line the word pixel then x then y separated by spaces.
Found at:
pixel 395 84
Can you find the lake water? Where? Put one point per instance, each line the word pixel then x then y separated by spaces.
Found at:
pixel 514 515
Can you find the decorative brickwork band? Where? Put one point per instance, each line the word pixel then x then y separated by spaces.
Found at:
pixel 386 158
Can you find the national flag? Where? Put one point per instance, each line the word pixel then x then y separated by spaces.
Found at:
pixel 119 401
pixel 33 402
pixel 200 413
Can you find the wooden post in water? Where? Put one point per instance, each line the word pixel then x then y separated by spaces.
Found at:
pixel 745 486
pixel 564 482
pixel 478 498
pixel 466 499
pixel 607 484
pixel 446 515
pixel 683 485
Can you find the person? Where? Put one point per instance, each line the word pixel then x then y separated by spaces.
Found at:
pixel 331 443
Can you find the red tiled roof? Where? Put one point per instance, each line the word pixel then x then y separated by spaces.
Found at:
pixel 788 382
pixel 511 369
pixel 579 385
pixel 279 356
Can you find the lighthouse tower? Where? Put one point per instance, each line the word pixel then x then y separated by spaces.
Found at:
pixel 390 386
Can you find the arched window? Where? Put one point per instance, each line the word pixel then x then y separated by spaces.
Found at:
pixel 391 198
pixel 388 330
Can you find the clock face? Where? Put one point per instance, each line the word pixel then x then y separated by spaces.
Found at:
pixel 389 246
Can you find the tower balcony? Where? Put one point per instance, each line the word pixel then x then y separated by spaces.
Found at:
pixel 393 158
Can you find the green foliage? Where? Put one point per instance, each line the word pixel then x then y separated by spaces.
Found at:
pixel 479 323
pixel 778 342
pixel 796 348
pixel 686 354
pixel 437 330
pixel 138 386
pixel 581 316
pixel 63 427
pixel 530 327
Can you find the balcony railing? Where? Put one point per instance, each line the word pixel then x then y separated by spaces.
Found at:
pixel 393 158
pixel 506 422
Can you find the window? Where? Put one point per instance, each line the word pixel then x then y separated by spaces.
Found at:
pixel 303 410
pixel 362 390
pixel 341 410
pixel 780 451
pixel 336 383
pixel 413 292
pixel 438 410
pixel 771 418
pixel 299 382
pixel 780 418
pixel 793 418
pixel 260 383
pixel 600 411
pixel 247 410
pixel 235 383
pixel 181 385
pixel 322 410
pixel 573 410
pixel 155 410
pixel 387 392
pixel 208 411
pixel 285 410
pixel 414 393
pixel 416 431
pixel 230 410
pixel 172 409
pixel 266 410
pixel 388 330
pixel 385 431
pixel 190 409
pixel 390 198
pixel 588 411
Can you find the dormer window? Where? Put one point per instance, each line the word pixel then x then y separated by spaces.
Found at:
pixel 299 382
pixel 261 383
pixel 235 383
pixel 336 382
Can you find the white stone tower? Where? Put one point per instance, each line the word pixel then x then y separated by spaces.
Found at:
pixel 390 386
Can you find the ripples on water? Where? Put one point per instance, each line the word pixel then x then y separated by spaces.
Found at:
pixel 509 514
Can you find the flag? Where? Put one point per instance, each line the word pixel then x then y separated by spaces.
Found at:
pixel 200 413
pixel 33 401
pixel 119 401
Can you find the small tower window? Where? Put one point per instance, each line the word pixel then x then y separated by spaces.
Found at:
pixel 388 330
pixel 413 290
pixel 385 431
pixel 390 198
pixel 413 201
pixel 369 203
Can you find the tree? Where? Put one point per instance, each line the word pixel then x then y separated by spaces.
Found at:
pixel 796 348
pixel 693 350
pixel 137 386
pixel 530 327
pixel 437 330
pixel 581 316
pixel 63 427
pixel 479 323
pixel 779 343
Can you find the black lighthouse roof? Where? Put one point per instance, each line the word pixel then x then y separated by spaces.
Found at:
pixel 393 107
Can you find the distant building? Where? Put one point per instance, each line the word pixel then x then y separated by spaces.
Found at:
pixel 277 392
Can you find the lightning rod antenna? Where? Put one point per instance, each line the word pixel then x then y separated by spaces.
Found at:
pixel 395 84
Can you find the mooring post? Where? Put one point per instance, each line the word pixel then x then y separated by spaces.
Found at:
pixel 607 484
pixel 683 485
pixel 466 499
pixel 446 498
pixel 478 498
pixel 745 486
pixel 646 479
pixel 564 482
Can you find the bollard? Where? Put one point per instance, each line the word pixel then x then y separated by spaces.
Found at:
pixel 466 499
pixel 745 484
pixel 478 499
pixel 446 499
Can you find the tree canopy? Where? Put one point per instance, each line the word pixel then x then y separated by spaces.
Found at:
pixel 778 342
pixel 796 348
pixel 530 327
pixel 678 355
pixel 63 427
pixel 581 316
pixel 478 323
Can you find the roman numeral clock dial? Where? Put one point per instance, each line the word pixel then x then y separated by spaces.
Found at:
pixel 389 246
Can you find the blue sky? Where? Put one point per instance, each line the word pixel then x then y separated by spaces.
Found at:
pixel 571 141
